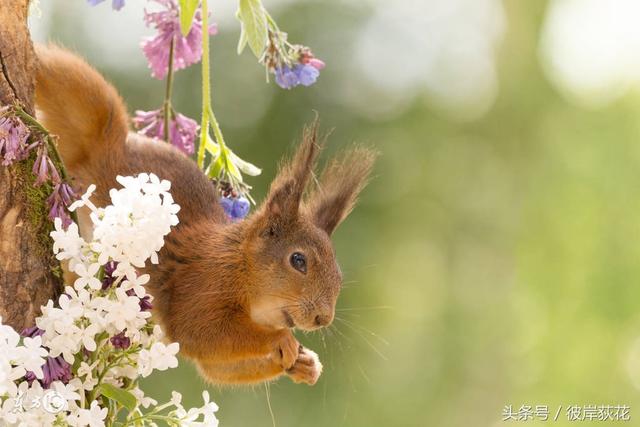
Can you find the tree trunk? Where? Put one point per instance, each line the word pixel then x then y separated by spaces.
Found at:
pixel 26 260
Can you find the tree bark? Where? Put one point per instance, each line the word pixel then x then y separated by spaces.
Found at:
pixel 26 261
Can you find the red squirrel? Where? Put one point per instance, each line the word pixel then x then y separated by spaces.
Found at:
pixel 229 293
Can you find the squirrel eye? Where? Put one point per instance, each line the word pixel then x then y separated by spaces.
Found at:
pixel 299 262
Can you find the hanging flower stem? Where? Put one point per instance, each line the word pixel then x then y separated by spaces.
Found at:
pixel 206 89
pixel 51 146
pixel 208 117
pixel 167 110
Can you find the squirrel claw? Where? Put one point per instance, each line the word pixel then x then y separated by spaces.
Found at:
pixel 307 368
pixel 287 351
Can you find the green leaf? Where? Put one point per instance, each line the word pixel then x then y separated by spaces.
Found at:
pixel 187 11
pixel 244 166
pixel 254 25
pixel 212 147
pixel 243 39
pixel 215 167
pixel 119 395
pixel 231 168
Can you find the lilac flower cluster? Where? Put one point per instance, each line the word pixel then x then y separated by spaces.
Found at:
pixel 14 146
pixel 186 50
pixel 182 129
pixel 109 279
pixel 62 195
pixel 54 368
pixel 13 138
pixel 115 4
pixel 77 345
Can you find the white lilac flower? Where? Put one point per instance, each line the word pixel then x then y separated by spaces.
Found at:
pixel 98 334
pixel 92 417
pixel 68 392
pixel 86 371
pixel 191 417
pixel 135 283
pixel 84 200
pixel 32 355
pixel 66 243
pixel 160 357
pixel 145 401
pixel 124 313
pixel 87 277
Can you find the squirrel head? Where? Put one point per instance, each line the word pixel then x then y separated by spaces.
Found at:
pixel 294 276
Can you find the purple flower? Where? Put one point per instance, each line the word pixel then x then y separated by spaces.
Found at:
pixel 182 129
pixel 43 168
pixel 58 202
pixel 187 50
pixel 115 4
pixel 108 278
pixel 30 377
pixel 54 369
pixel 227 205
pixel 31 332
pixel 13 139
pixel 120 341
pixel 182 133
pixel 149 123
pixel 235 208
pixel 307 74
pixel 240 208
pixel 300 74
pixel 145 301
pixel 286 77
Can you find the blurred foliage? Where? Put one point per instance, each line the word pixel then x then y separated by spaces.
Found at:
pixel 489 262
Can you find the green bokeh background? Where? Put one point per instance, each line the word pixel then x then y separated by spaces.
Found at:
pixel 490 262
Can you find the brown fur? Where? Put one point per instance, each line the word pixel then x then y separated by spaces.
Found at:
pixel 225 291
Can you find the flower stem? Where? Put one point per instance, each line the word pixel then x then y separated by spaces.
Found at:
pixel 169 89
pixel 208 117
pixel 216 128
pixel 206 89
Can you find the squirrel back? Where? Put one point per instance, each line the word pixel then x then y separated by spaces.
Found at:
pixel 77 104
pixel 230 293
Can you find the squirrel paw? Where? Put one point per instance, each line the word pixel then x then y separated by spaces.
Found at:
pixel 307 368
pixel 286 350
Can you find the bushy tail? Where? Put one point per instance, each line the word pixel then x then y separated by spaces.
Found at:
pixel 77 104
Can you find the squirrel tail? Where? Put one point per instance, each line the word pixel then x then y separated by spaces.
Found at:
pixel 77 104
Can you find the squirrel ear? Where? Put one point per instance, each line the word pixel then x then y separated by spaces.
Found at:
pixel 341 182
pixel 287 188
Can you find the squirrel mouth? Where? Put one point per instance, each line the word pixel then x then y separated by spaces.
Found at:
pixel 288 319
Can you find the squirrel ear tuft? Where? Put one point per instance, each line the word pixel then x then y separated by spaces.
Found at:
pixel 341 182
pixel 287 188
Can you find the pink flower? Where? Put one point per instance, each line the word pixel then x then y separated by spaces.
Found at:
pixel 316 63
pixel 59 201
pixel 13 139
pixel 182 129
pixel 187 50
pixel 43 168
pixel 149 123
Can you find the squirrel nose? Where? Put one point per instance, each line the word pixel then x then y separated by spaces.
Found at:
pixel 323 319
